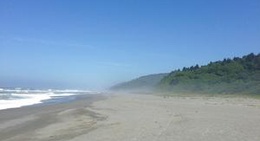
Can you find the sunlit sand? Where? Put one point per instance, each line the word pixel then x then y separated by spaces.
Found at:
pixel 135 117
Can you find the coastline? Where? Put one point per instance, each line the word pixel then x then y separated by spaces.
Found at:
pixel 18 124
pixel 131 117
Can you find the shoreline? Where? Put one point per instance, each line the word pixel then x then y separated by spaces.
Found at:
pixel 131 117
pixel 18 123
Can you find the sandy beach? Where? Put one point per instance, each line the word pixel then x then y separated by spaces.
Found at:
pixel 135 117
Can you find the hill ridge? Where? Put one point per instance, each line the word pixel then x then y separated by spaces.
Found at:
pixel 240 75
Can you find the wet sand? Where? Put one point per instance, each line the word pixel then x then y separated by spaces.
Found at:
pixel 49 122
pixel 134 117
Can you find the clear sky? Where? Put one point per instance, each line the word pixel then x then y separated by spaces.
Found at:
pixel 97 43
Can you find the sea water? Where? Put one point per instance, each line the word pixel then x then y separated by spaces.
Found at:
pixel 17 97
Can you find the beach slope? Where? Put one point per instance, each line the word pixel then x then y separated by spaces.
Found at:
pixel 134 117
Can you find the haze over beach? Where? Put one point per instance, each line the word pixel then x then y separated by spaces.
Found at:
pixel 129 70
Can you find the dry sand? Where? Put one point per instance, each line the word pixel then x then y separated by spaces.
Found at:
pixel 133 117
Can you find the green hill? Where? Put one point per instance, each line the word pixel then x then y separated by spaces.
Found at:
pixel 144 83
pixel 229 76
pixel 237 75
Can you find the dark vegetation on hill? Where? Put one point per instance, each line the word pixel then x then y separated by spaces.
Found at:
pixel 237 75
pixel 144 83
pixel 229 76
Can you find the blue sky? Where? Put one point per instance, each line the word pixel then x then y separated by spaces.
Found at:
pixel 94 44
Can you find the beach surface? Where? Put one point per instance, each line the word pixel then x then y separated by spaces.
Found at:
pixel 135 117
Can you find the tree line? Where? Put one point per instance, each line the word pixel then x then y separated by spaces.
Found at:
pixel 236 75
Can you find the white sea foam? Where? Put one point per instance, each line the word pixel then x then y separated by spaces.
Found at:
pixel 26 99
pixel 23 97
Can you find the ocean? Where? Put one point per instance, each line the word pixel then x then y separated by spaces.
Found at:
pixel 17 97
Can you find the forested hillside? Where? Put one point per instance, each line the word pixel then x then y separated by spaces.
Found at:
pixel 237 75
